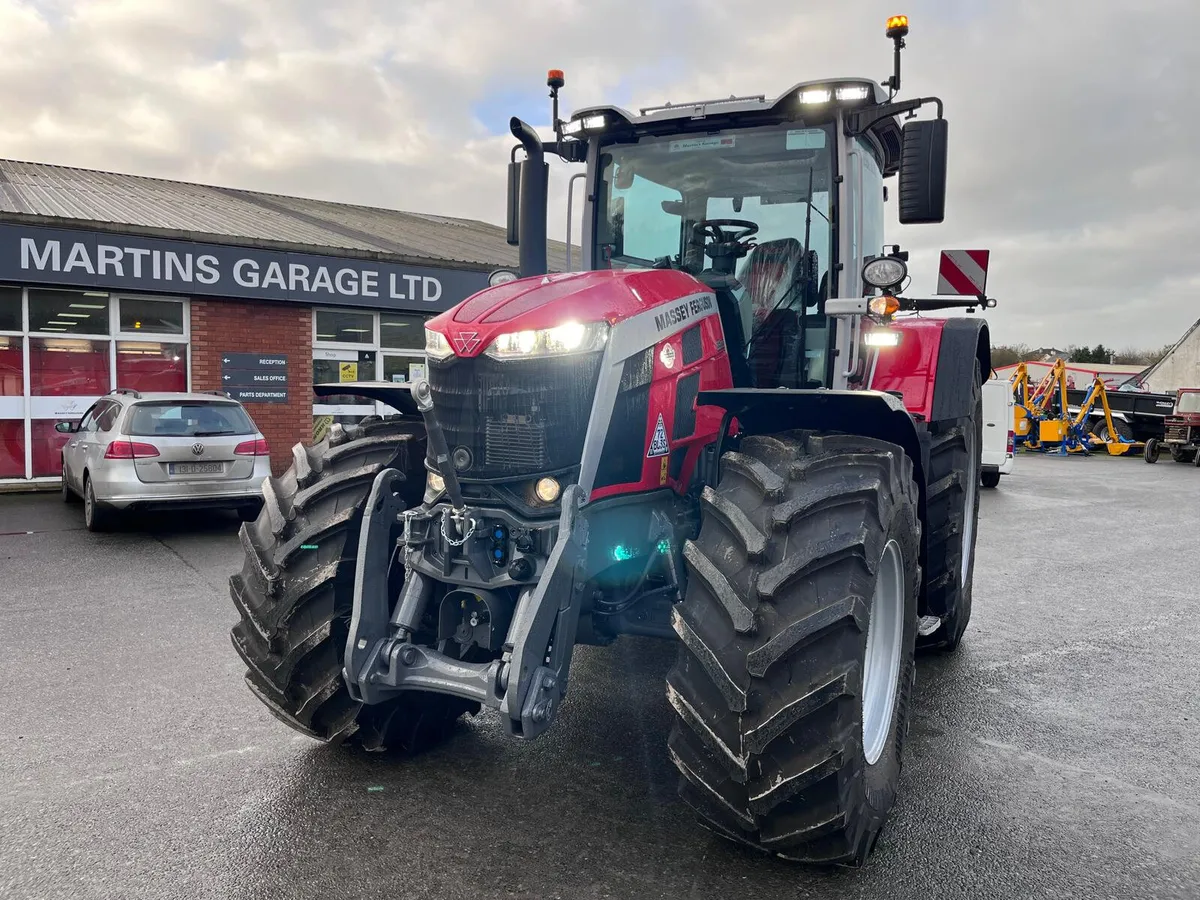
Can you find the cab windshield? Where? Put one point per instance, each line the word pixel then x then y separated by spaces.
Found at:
pixel 1189 402
pixel 659 198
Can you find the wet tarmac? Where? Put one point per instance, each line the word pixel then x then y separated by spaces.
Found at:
pixel 1056 755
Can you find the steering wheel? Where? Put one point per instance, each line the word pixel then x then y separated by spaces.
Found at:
pixel 715 228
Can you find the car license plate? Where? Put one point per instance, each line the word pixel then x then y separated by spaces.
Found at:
pixel 209 468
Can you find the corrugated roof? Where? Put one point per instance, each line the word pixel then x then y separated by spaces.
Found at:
pixel 29 189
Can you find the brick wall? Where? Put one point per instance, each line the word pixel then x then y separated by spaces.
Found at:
pixel 220 326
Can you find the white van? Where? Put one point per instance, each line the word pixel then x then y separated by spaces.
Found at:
pixel 999 440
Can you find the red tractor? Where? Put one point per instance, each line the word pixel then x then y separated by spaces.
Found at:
pixel 719 434
pixel 1181 431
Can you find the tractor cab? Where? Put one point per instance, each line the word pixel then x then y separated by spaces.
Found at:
pixel 1187 405
pixel 748 211
pixel 775 204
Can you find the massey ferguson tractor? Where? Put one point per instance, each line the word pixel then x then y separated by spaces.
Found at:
pixel 731 430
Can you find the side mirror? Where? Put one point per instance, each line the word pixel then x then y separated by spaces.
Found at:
pixel 923 164
pixel 64 427
pixel 514 203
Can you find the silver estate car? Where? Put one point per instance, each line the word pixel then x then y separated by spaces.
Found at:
pixel 163 451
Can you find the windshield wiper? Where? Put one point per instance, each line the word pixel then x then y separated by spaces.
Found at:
pixel 211 433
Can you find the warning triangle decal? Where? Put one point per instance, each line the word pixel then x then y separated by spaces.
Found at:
pixel 658 443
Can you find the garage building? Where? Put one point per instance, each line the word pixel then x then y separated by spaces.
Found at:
pixel 118 281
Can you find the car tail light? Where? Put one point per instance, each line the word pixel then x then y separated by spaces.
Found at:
pixel 1012 443
pixel 252 448
pixel 130 450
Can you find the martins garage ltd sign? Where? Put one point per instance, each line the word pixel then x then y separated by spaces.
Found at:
pixel 149 265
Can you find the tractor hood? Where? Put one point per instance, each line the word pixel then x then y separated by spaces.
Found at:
pixel 546 301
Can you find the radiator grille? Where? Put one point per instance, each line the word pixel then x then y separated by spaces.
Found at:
pixel 517 417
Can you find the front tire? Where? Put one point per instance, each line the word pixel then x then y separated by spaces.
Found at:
pixel 790 694
pixel 1151 450
pixel 294 593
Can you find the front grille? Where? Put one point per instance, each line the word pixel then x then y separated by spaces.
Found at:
pixel 517 417
pixel 1176 433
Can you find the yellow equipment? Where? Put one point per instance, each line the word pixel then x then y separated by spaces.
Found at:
pixel 1042 418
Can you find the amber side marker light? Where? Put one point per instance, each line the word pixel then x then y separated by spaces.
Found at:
pixel 884 306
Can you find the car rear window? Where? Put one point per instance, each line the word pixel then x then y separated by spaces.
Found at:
pixel 193 418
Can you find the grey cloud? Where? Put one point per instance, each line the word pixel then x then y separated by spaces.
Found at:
pixel 1072 142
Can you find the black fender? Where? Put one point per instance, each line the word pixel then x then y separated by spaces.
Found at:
pixel 965 352
pixel 398 396
pixel 874 414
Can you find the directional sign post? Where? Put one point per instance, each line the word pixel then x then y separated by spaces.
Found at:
pixel 255 377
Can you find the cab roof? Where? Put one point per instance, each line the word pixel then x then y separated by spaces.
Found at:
pixel 753 109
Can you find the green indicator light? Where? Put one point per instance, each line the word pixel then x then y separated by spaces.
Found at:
pixel 308 546
pixel 664 546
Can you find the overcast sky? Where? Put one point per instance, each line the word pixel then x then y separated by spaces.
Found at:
pixel 1073 126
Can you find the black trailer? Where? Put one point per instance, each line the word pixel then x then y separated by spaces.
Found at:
pixel 1137 415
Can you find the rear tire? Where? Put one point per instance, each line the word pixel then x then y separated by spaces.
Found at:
pixel 295 603
pixel 1123 429
pixel 96 517
pixel 952 517
pixel 990 479
pixel 784 635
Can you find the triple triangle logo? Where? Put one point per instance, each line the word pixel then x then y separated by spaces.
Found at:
pixel 658 443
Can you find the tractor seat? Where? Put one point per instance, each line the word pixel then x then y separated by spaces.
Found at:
pixel 767 275
pixel 766 309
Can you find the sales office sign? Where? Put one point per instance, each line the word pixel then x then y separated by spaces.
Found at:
pixel 148 265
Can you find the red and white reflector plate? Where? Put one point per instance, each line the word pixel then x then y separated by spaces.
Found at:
pixel 963 272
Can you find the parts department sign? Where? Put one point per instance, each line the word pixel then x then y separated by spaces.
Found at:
pixel 116 262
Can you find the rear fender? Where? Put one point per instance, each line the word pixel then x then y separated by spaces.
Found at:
pixel 397 396
pixel 932 366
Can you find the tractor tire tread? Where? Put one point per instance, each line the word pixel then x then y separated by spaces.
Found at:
pixel 766 720
pixel 293 593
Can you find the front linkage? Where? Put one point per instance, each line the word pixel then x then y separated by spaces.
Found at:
pixel 529 679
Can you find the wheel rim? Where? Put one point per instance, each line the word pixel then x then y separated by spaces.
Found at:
pixel 971 488
pixel 885 633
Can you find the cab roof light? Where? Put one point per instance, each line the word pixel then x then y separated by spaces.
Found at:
pixel 897 26
pixel 815 95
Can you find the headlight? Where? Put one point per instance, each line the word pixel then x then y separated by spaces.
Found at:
pixel 570 337
pixel 880 338
pixel 436 345
pixel 884 272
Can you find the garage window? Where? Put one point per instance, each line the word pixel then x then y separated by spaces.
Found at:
pixel 151 316
pixel 345 327
pixel 68 312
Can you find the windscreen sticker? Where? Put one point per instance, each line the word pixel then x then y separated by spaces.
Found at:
pixel 806 139
pixel 658 443
pixel 715 142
